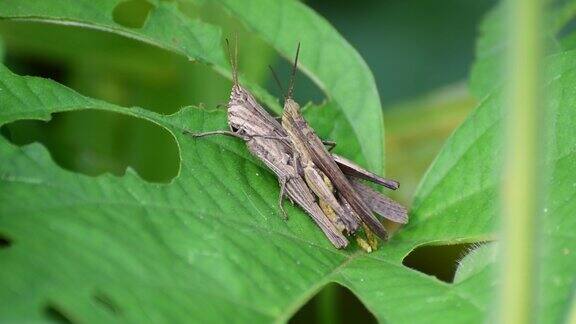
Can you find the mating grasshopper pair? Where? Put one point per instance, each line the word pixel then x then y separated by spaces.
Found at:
pixel 307 173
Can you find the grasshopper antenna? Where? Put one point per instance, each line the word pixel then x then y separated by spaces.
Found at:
pixel 233 60
pixel 277 81
pixel 293 75
pixel 236 55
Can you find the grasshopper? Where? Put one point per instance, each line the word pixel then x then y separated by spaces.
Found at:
pixel 267 140
pixel 318 164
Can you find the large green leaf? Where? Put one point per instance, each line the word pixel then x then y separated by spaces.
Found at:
pixel 460 190
pixel 208 246
pixel 466 176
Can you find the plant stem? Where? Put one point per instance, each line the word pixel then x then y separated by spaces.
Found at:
pixel 520 184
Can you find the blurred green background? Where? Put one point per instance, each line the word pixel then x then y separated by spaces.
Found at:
pixel 420 52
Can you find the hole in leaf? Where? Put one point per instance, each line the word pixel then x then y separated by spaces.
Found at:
pixel 333 304
pixel 112 68
pixel 56 315
pixel 94 142
pixel 5 241
pixel 107 303
pixel 439 261
pixel 38 66
pixel 132 13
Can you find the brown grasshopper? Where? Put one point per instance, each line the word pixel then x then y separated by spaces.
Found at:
pixel 320 166
pixel 267 140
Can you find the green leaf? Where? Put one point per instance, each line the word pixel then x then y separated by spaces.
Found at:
pixel 209 246
pixel 460 190
pixel 465 178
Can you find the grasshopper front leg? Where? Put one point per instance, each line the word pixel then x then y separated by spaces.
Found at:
pixel 217 132
pixel 235 134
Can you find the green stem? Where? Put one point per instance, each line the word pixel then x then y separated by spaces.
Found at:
pixel 520 183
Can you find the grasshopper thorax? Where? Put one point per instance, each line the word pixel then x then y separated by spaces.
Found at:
pixel 291 106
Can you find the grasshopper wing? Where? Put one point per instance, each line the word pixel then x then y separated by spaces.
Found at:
pixel 381 204
pixel 352 169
